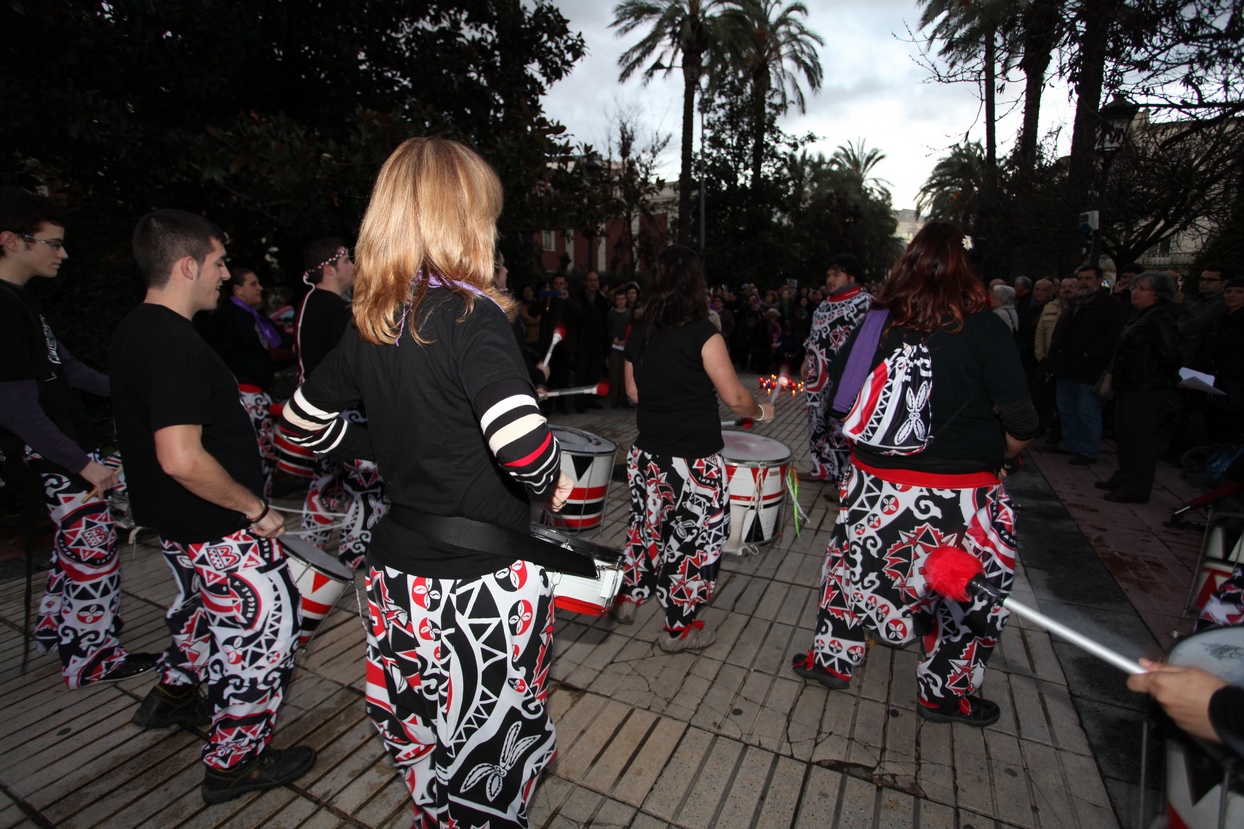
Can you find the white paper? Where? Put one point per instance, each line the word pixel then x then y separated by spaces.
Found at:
pixel 1198 381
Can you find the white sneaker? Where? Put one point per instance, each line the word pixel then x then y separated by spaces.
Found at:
pixel 692 639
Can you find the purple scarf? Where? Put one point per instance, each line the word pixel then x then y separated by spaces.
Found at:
pixel 859 361
pixel 435 281
pixel 268 334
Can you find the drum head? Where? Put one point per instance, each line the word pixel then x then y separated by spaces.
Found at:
pixel 580 442
pixel 1220 652
pixel 744 446
pixel 302 549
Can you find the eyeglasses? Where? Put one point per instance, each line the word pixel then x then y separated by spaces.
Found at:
pixel 55 244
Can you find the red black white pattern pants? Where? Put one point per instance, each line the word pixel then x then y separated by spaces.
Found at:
pixel 79 615
pixel 354 487
pixel 457 673
pixel 680 519
pixel 872 578
pixel 234 625
pixel 258 405
pixel 827 445
pixel 1225 607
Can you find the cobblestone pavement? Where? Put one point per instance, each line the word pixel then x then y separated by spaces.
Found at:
pixel 726 738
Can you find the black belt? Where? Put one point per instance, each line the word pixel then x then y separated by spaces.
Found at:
pixel 489 538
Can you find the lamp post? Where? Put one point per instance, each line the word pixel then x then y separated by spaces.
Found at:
pixel 1115 123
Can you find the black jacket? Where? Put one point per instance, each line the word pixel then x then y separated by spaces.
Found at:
pixel 1147 355
pixel 1084 339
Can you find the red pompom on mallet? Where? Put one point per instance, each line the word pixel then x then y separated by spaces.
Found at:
pixel 747 422
pixel 948 571
pixel 602 388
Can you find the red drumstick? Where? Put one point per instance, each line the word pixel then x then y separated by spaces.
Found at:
pixel 742 422
pixel 600 389
pixel 960 575
pixel 559 334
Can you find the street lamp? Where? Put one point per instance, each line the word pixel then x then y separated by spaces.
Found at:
pixel 1115 122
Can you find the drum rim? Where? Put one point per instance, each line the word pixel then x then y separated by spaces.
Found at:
pixel 340 571
pixel 604 441
pixel 748 461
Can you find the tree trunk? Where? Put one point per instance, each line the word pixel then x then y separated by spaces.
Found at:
pixel 991 90
pixel 1040 29
pixel 1099 16
pixel 760 97
pixel 691 81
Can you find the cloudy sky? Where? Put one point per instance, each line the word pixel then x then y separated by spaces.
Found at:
pixel 873 88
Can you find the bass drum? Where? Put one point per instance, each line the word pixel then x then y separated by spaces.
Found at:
pixel 756 470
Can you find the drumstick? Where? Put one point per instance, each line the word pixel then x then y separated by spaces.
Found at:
pixel 782 381
pixel 960 575
pixel 94 493
pixel 559 334
pixel 742 422
pixel 600 389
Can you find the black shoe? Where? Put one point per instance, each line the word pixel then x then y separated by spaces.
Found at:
pixel 1082 460
pixel 1107 485
pixel 972 711
pixel 275 767
pixel 168 705
pixel 1122 498
pixel 806 667
pixel 132 665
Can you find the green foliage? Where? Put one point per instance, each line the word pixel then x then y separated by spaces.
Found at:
pixel 271 119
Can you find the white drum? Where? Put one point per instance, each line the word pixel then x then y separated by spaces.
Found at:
pixel 587 459
pixel 579 594
pixel 320 578
pixel 756 470
pixel 1193 778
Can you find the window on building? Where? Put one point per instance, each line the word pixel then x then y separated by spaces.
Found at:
pixel 549 240
pixel 1164 247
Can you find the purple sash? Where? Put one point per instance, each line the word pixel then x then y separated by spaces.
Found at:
pixel 859 361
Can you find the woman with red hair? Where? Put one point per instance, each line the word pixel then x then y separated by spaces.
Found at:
pixel 939 411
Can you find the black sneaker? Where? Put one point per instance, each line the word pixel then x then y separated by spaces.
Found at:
pixel 275 767
pixel 805 665
pixel 168 705
pixel 131 665
pixel 967 710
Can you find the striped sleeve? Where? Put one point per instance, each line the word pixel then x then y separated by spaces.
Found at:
pixel 518 435
pixel 322 431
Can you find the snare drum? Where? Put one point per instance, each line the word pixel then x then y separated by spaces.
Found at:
pixel 756 469
pixel 1193 777
pixel 579 594
pixel 321 579
pixel 587 460
pixel 1217 565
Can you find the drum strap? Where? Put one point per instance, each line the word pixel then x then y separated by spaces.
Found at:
pixel 489 538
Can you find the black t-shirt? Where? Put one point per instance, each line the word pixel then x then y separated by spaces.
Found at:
pixel 678 415
pixel 164 374
pixel 972 370
pixel 28 351
pixel 425 434
pixel 233 334
pixel 322 321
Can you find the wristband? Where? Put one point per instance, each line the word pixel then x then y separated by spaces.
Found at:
pixel 261 516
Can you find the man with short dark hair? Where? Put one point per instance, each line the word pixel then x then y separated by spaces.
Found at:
pixel 42 418
pixel 1081 347
pixel 556 307
pixel 195 477
pixel 832 323
pixel 593 338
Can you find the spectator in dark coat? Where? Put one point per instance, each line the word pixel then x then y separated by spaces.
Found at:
pixel 593 338
pixel 1083 342
pixel 1222 355
pixel 1145 369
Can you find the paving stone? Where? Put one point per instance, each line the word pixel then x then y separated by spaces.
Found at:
pixel 858 805
pixel 1050 792
pixel 895 810
pixel 649 764
pixel 782 793
pixel 819 803
pixel 666 796
pixel 579 759
pixel 619 752
pixel 715 775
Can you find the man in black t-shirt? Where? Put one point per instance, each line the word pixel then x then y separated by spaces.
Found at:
pixel 41 417
pixel 195 476
pixel 353 487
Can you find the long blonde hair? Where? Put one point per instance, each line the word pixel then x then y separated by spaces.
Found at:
pixel 434 212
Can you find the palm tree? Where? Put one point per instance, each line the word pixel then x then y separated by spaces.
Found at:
pixel 952 190
pixel 776 48
pixel 859 161
pixel 689 30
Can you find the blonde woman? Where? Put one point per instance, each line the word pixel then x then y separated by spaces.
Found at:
pixel 459 643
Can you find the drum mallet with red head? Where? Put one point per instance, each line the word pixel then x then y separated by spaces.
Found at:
pixel 559 334
pixel 600 389
pixel 960 575
pixel 741 422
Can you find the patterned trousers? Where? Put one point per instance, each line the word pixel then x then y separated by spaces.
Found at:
pixel 1225 607
pixel 457 675
pixel 680 518
pixel 354 486
pixel 79 615
pixel 826 444
pixel 258 405
pixel 872 579
pixel 234 625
